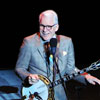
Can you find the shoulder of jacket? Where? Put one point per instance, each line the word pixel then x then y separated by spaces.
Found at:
pixel 63 37
pixel 30 37
pixel 29 40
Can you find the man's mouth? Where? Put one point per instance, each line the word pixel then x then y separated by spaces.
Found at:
pixel 45 34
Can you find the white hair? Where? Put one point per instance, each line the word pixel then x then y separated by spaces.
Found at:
pixel 49 13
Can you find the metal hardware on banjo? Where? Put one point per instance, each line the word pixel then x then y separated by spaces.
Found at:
pixel 42 89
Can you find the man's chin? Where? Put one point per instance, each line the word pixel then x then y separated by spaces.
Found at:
pixel 46 38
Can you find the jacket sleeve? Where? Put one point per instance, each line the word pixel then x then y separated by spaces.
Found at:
pixel 71 64
pixel 22 63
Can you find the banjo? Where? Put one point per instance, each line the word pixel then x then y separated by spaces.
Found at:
pixel 43 88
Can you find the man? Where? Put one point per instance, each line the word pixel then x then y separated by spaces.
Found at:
pixel 32 57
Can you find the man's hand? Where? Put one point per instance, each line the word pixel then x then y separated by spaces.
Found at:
pixel 91 79
pixel 33 78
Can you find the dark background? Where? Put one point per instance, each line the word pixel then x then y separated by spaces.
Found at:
pixel 80 22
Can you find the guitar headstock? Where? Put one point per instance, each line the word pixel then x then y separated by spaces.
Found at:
pixel 95 65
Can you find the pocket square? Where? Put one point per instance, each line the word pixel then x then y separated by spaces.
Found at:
pixel 64 53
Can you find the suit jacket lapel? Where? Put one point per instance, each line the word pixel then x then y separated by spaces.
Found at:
pixel 40 46
pixel 59 52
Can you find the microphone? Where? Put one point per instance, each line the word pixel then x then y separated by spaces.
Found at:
pixel 53 45
pixel 37 96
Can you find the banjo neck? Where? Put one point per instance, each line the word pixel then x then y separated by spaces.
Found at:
pixel 66 77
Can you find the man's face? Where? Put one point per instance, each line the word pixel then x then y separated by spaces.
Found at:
pixel 48 27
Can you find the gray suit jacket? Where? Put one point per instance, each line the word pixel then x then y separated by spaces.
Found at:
pixel 31 59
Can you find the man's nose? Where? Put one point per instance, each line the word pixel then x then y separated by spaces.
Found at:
pixel 44 28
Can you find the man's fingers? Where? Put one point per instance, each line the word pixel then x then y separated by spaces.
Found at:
pixel 33 78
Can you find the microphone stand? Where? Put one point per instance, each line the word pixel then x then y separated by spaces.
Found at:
pixel 58 71
pixel 53 44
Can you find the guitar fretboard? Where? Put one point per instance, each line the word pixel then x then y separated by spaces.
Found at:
pixel 93 66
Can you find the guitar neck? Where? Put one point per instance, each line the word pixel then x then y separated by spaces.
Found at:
pixel 93 66
pixel 69 77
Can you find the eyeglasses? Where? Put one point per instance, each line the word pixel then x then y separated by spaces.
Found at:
pixel 48 27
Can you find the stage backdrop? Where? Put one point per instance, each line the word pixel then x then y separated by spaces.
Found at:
pixel 78 22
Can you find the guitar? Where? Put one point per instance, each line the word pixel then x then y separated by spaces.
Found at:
pixel 42 89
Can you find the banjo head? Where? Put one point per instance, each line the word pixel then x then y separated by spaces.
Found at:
pixel 40 87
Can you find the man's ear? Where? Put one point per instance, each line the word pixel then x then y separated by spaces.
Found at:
pixel 56 27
